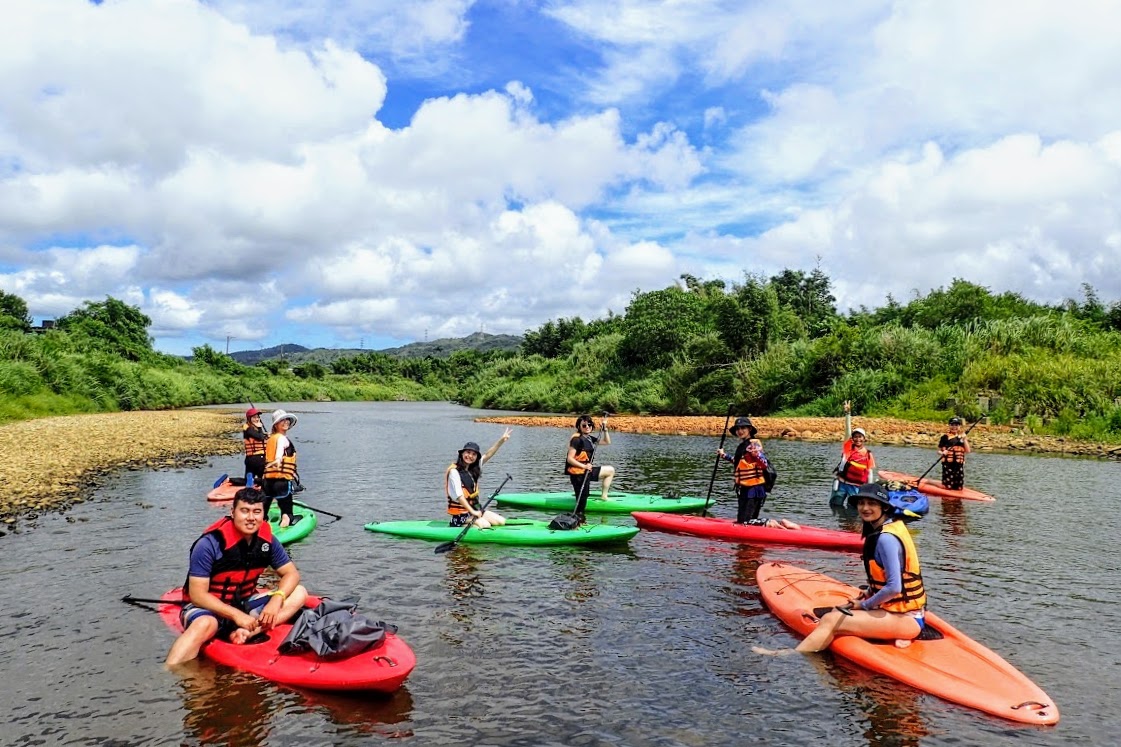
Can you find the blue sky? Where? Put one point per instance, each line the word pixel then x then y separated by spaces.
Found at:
pixel 345 172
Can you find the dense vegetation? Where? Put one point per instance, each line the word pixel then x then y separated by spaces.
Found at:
pixel 774 345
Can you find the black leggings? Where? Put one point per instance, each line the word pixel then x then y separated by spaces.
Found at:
pixel 751 502
pixel 281 491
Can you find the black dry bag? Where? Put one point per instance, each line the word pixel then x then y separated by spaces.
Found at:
pixel 769 477
pixel 565 522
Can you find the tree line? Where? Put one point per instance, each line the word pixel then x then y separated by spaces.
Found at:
pixel 774 345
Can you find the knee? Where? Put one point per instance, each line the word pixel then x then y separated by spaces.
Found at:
pixel 606 471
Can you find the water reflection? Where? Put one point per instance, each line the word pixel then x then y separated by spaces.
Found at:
pixel 464 584
pixel 893 710
pixel 227 707
pixel 953 519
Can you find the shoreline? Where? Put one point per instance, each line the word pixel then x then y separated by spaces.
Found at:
pixel 882 431
pixel 49 464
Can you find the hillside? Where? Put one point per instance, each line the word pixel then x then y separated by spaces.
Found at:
pixel 442 348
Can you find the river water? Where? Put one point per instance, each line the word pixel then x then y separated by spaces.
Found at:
pixel 647 644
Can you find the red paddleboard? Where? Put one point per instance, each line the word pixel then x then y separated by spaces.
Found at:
pixel 380 669
pixel 726 529
pixel 933 487
pixel 954 667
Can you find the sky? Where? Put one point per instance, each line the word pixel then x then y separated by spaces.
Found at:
pixel 367 173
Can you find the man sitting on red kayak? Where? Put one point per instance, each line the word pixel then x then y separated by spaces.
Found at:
pixel 226 562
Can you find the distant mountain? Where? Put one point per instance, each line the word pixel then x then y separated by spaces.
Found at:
pixel 252 357
pixel 442 348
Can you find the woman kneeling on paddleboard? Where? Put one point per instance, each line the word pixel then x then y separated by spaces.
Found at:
pixel 461 486
pixel 892 607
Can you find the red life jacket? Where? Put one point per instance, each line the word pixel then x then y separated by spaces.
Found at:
pixel 233 578
pixel 858 466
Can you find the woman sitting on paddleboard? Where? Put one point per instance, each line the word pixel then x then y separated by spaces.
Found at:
pixel 893 606
pixel 461 486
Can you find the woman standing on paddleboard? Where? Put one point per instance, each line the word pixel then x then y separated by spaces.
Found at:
pixel 461 486
pixel 953 446
pixel 894 604
pixel 280 468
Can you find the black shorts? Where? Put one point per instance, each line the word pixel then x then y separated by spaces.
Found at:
pixel 578 480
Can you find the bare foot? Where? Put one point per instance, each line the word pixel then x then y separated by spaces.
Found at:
pixel 773 651
pixel 240 636
pixel 902 642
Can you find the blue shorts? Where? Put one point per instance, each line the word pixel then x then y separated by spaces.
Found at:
pixel 253 606
pixel 841 493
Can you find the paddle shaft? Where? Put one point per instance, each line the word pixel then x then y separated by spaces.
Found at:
pixel 939 459
pixel 130 599
pixel 716 465
pixel 301 504
pixel 445 547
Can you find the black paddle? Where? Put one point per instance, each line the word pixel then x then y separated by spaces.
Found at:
pixel 716 466
pixel 939 459
pixel 130 599
pixel 301 504
pixel 446 546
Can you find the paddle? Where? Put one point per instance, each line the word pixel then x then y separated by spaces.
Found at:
pixel 301 504
pixel 937 461
pixel 446 546
pixel 221 479
pixel 716 465
pixel 130 599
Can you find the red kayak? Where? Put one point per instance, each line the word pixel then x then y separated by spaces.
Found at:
pixel 932 487
pixel 381 669
pixel 726 529
pixel 944 662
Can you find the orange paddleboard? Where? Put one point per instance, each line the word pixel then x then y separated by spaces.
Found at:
pixel 933 487
pixel 954 667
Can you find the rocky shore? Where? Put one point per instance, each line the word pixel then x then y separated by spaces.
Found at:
pixel 51 463
pixel 880 431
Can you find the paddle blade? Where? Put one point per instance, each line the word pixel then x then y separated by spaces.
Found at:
pixel 444 547
pixel 220 480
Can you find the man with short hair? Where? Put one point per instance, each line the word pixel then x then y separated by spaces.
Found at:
pixel 226 563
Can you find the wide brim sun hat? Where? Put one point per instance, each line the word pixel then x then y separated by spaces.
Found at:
pixel 279 415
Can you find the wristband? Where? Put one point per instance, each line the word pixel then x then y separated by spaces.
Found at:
pixel 279 593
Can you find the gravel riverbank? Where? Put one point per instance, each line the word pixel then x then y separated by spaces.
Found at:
pixel 50 463
pixel 880 431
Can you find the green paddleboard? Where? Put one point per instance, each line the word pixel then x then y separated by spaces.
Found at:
pixel 619 503
pixel 295 532
pixel 515 532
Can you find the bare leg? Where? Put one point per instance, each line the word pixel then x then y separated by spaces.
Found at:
pixel 863 623
pixel 494 519
pixel 187 645
pixel 606 475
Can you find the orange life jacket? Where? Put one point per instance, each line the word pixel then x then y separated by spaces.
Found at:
pixel 584 454
pixel 470 489
pixel 287 468
pixel 955 449
pixel 749 471
pixel 253 445
pixel 913 596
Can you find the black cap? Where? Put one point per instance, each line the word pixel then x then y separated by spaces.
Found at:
pixel 471 446
pixel 743 423
pixel 874 491
pixel 955 420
